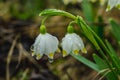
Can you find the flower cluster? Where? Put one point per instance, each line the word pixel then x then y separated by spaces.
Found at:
pixel 46 44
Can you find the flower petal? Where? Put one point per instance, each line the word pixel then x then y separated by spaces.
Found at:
pixel 118 4
pixel 38 56
pixel 76 52
pixel 51 44
pixel 84 50
pixel 64 53
pixel 51 55
pixel 111 4
pixel 45 44
pixel 72 43
pixel 67 43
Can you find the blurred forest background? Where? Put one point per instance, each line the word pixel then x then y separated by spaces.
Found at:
pixel 19 26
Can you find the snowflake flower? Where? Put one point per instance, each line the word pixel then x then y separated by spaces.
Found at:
pixel 45 44
pixel 72 43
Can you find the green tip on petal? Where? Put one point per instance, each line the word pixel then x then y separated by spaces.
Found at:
pixel 64 53
pixel 51 55
pixel 70 29
pixel 76 52
pixel 108 8
pixel 84 50
pixel 118 6
pixel 33 53
pixel 38 56
pixel 43 29
pixel 58 50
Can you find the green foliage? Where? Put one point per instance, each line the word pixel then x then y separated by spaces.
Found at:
pixel 115 30
pixel 102 48
pixel 87 10
pixel 104 67
pixel 114 57
pixel 25 9
pixel 90 14
pixel 100 62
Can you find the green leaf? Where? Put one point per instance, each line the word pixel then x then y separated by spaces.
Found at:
pixel 87 10
pixel 115 29
pixel 100 27
pixel 113 56
pixel 100 62
pixel 86 62
pixel 85 28
pixel 97 42
pixel 102 66
pixel 54 12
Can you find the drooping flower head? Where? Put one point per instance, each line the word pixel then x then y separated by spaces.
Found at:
pixel 72 43
pixel 45 44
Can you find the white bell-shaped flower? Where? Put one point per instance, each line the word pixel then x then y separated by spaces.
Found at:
pixel 113 3
pixel 46 44
pixel 72 43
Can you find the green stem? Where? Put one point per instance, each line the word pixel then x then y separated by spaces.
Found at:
pixel 72 22
pixel 105 49
pixel 55 12
pixel 43 20
pixel 100 42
